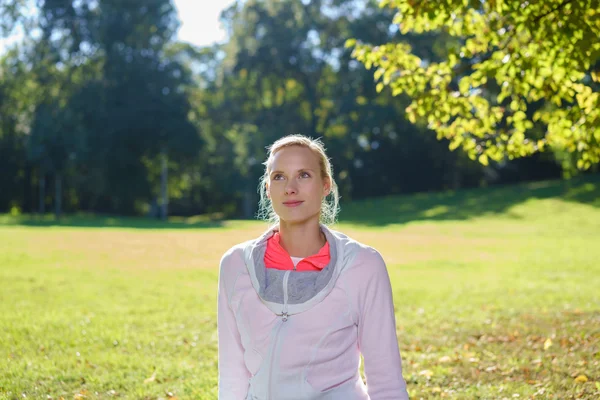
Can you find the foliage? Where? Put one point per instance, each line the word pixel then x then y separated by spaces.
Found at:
pixel 285 70
pixel 106 99
pixel 522 78
pixel 98 91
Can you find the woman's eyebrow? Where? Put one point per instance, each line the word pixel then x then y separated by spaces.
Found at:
pixel 300 170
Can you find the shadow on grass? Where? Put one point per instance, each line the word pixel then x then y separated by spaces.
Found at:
pixel 466 204
pixel 101 221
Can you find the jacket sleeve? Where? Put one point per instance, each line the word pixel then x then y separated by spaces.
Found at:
pixel 377 337
pixel 233 374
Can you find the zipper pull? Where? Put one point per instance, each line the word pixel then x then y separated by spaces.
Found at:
pixel 284 316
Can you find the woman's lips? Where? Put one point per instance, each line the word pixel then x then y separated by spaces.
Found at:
pixel 292 203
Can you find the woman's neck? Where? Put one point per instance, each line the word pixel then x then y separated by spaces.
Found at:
pixel 301 240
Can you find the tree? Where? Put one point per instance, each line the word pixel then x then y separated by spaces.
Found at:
pixel 522 77
pixel 57 135
pixel 17 94
pixel 144 99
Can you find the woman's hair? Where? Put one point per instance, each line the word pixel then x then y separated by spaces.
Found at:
pixel 330 204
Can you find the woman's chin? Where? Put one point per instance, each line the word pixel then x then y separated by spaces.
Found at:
pixel 297 218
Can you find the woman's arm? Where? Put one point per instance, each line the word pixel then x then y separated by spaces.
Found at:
pixel 233 374
pixel 377 337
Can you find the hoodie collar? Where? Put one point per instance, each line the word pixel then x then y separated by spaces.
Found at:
pixel 304 289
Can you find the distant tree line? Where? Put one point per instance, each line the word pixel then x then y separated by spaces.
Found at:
pixel 102 110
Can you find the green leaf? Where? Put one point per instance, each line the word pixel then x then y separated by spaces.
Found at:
pixel 519 116
pixel 483 159
pixel 464 86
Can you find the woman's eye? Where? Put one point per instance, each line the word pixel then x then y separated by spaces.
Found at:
pixel 276 177
pixel 305 175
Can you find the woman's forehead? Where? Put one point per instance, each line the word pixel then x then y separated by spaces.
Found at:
pixel 295 157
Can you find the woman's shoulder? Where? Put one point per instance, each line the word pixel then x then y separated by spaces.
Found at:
pixel 360 256
pixel 236 253
pixel 366 256
pixel 232 266
pixel 353 245
pixel 365 268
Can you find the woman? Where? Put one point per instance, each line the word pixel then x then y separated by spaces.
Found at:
pixel 299 305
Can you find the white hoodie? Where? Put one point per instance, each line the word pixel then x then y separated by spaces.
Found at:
pixel 298 335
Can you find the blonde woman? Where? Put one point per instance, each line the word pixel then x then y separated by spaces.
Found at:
pixel 299 305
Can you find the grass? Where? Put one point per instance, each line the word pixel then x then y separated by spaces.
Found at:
pixel 496 292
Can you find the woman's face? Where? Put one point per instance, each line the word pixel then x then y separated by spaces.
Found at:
pixel 295 186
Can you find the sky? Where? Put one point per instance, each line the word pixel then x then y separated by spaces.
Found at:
pixel 199 19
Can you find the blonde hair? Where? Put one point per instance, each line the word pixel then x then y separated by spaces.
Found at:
pixel 330 205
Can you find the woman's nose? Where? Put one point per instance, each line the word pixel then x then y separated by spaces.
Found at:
pixel 290 189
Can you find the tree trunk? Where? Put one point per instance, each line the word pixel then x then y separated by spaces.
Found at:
pixel 456 184
pixel 248 204
pixel 28 196
pixel 42 205
pixel 312 100
pixel 58 195
pixel 164 187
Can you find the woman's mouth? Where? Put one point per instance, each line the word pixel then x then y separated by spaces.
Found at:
pixel 292 203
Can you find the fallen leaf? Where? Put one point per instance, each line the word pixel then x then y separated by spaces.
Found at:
pixel 445 359
pixel 83 394
pixel 581 379
pixel 547 344
pixel 428 373
pixel 151 379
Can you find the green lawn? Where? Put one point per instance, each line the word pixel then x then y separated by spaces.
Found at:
pixel 497 295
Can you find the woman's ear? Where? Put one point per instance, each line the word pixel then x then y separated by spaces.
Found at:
pixel 327 187
pixel 267 190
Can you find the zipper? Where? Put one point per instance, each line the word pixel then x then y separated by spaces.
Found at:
pixel 284 318
pixel 284 314
pixel 275 340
